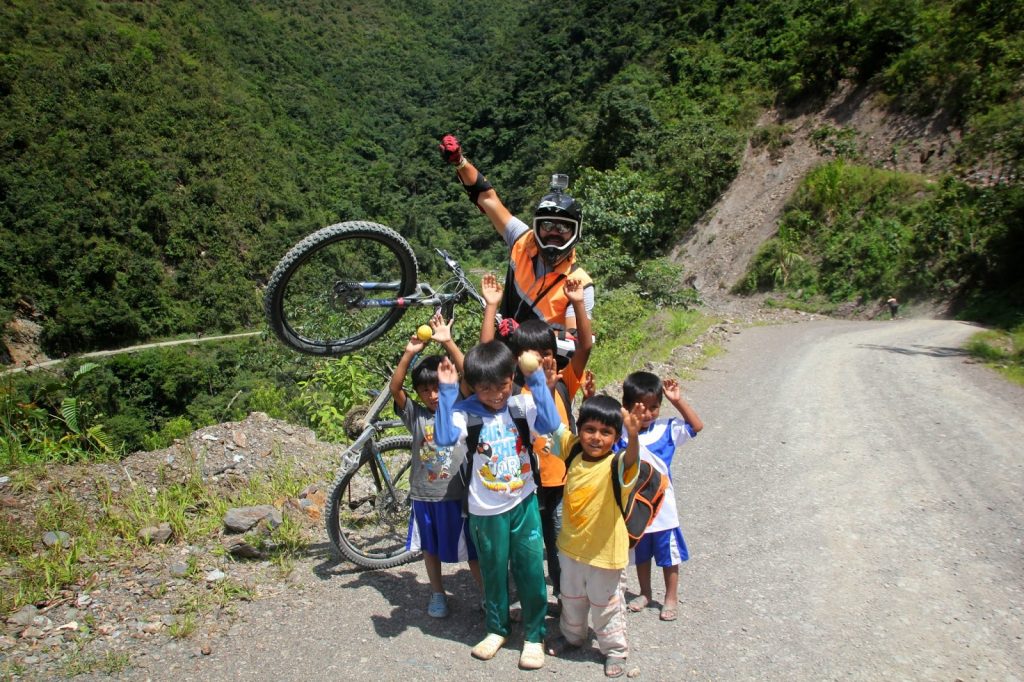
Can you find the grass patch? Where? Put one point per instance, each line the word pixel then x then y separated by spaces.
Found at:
pixel 184 626
pixel 110 663
pixel 708 352
pixel 107 528
pixel 1002 350
pixel 631 332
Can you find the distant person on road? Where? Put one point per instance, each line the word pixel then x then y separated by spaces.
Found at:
pixel 541 258
pixel 894 307
pixel 436 485
pixel 660 438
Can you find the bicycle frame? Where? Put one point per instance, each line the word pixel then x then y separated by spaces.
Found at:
pixel 424 296
pixel 354 453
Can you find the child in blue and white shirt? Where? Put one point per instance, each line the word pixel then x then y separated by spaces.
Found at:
pixel 659 439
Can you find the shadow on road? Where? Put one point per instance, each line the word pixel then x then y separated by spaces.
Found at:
pixel 933 351
pixel 330 566
pixel 407 595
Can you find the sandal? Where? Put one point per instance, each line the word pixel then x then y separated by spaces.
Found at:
pixel 637 604
pixel 668 611
pixel 488 647
pixel 614 666
pixel 559 645
pixel 532 657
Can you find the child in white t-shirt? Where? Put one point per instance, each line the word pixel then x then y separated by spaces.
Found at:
pixel 659 439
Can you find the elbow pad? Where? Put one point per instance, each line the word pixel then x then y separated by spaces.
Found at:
pixel 477 188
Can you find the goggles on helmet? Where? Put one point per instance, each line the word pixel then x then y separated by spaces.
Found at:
pixel 558 225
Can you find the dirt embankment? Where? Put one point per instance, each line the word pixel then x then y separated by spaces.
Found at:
pixel 718 250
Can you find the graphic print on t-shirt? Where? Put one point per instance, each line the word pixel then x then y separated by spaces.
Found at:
pixel 576 503
pixel 436 461
pixel 504 464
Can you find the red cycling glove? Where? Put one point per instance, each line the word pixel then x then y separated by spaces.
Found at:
pixel 450 149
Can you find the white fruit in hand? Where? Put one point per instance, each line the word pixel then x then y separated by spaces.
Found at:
pixel 529 362
pixel 424 333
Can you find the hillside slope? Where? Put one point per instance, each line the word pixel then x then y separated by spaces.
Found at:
pixel 718 250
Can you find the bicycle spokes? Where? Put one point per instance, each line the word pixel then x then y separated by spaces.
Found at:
pixel 338 289
pixel 368 512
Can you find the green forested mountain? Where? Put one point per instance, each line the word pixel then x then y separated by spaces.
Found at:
pixel 156 159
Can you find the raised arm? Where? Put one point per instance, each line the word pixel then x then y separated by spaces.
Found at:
pixel 538 378
pixel 445 432
pixel 442 334
pixel 672 391
pixel 492 291
pixel 589 384
pixel 414 346
pixel 584 334
pixel 631 420
pixel 480 191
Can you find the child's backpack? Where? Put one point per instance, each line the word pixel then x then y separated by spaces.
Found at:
pixel 644 500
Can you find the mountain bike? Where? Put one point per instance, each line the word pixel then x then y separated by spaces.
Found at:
pixel 345 285
pixel 334 292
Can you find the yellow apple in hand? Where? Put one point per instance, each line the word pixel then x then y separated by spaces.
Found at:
pixel 529 362
pixel 424 333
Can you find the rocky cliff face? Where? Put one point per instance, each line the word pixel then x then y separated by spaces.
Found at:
pixel 718 250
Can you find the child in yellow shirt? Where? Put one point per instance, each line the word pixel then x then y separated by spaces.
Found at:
pixel 593 545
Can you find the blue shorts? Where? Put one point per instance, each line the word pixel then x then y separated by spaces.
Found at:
pixel 439 528
pixel 666 547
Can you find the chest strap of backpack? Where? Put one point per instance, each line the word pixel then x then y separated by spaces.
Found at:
pixel 575 451
pixel 616 485
pixel 563 392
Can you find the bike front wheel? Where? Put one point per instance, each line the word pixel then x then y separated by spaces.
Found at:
pixel 366 522
pixel 330 293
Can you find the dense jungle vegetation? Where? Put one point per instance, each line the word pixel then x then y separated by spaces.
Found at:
pixel 156 159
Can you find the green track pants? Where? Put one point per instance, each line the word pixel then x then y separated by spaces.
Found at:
pixel 512 538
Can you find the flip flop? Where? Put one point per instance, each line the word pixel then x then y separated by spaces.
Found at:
pixel 637 604
pixel 668 613
pixel 614 666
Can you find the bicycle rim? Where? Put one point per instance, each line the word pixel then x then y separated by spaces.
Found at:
pixel 365 523
pixel 309 302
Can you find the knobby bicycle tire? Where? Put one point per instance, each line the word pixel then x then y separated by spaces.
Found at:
pixel 305 298
pixel 365 524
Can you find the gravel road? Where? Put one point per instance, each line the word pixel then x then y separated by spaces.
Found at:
pixel 853 510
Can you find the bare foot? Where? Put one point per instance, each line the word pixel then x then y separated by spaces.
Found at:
pixel 638 603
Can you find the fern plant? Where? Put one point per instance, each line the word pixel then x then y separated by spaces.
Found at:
pixel 56 424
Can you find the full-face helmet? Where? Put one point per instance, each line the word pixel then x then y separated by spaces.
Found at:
pixel 557 222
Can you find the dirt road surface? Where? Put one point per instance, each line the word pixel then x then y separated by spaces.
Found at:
pixel 853 511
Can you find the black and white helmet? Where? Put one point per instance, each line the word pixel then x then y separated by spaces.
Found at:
pixel 559 210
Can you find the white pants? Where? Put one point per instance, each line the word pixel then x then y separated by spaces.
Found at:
pixel 597 591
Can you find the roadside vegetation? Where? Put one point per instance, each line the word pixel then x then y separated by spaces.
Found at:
pixel 1002 350
pixel 98 522
pixel 856 233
